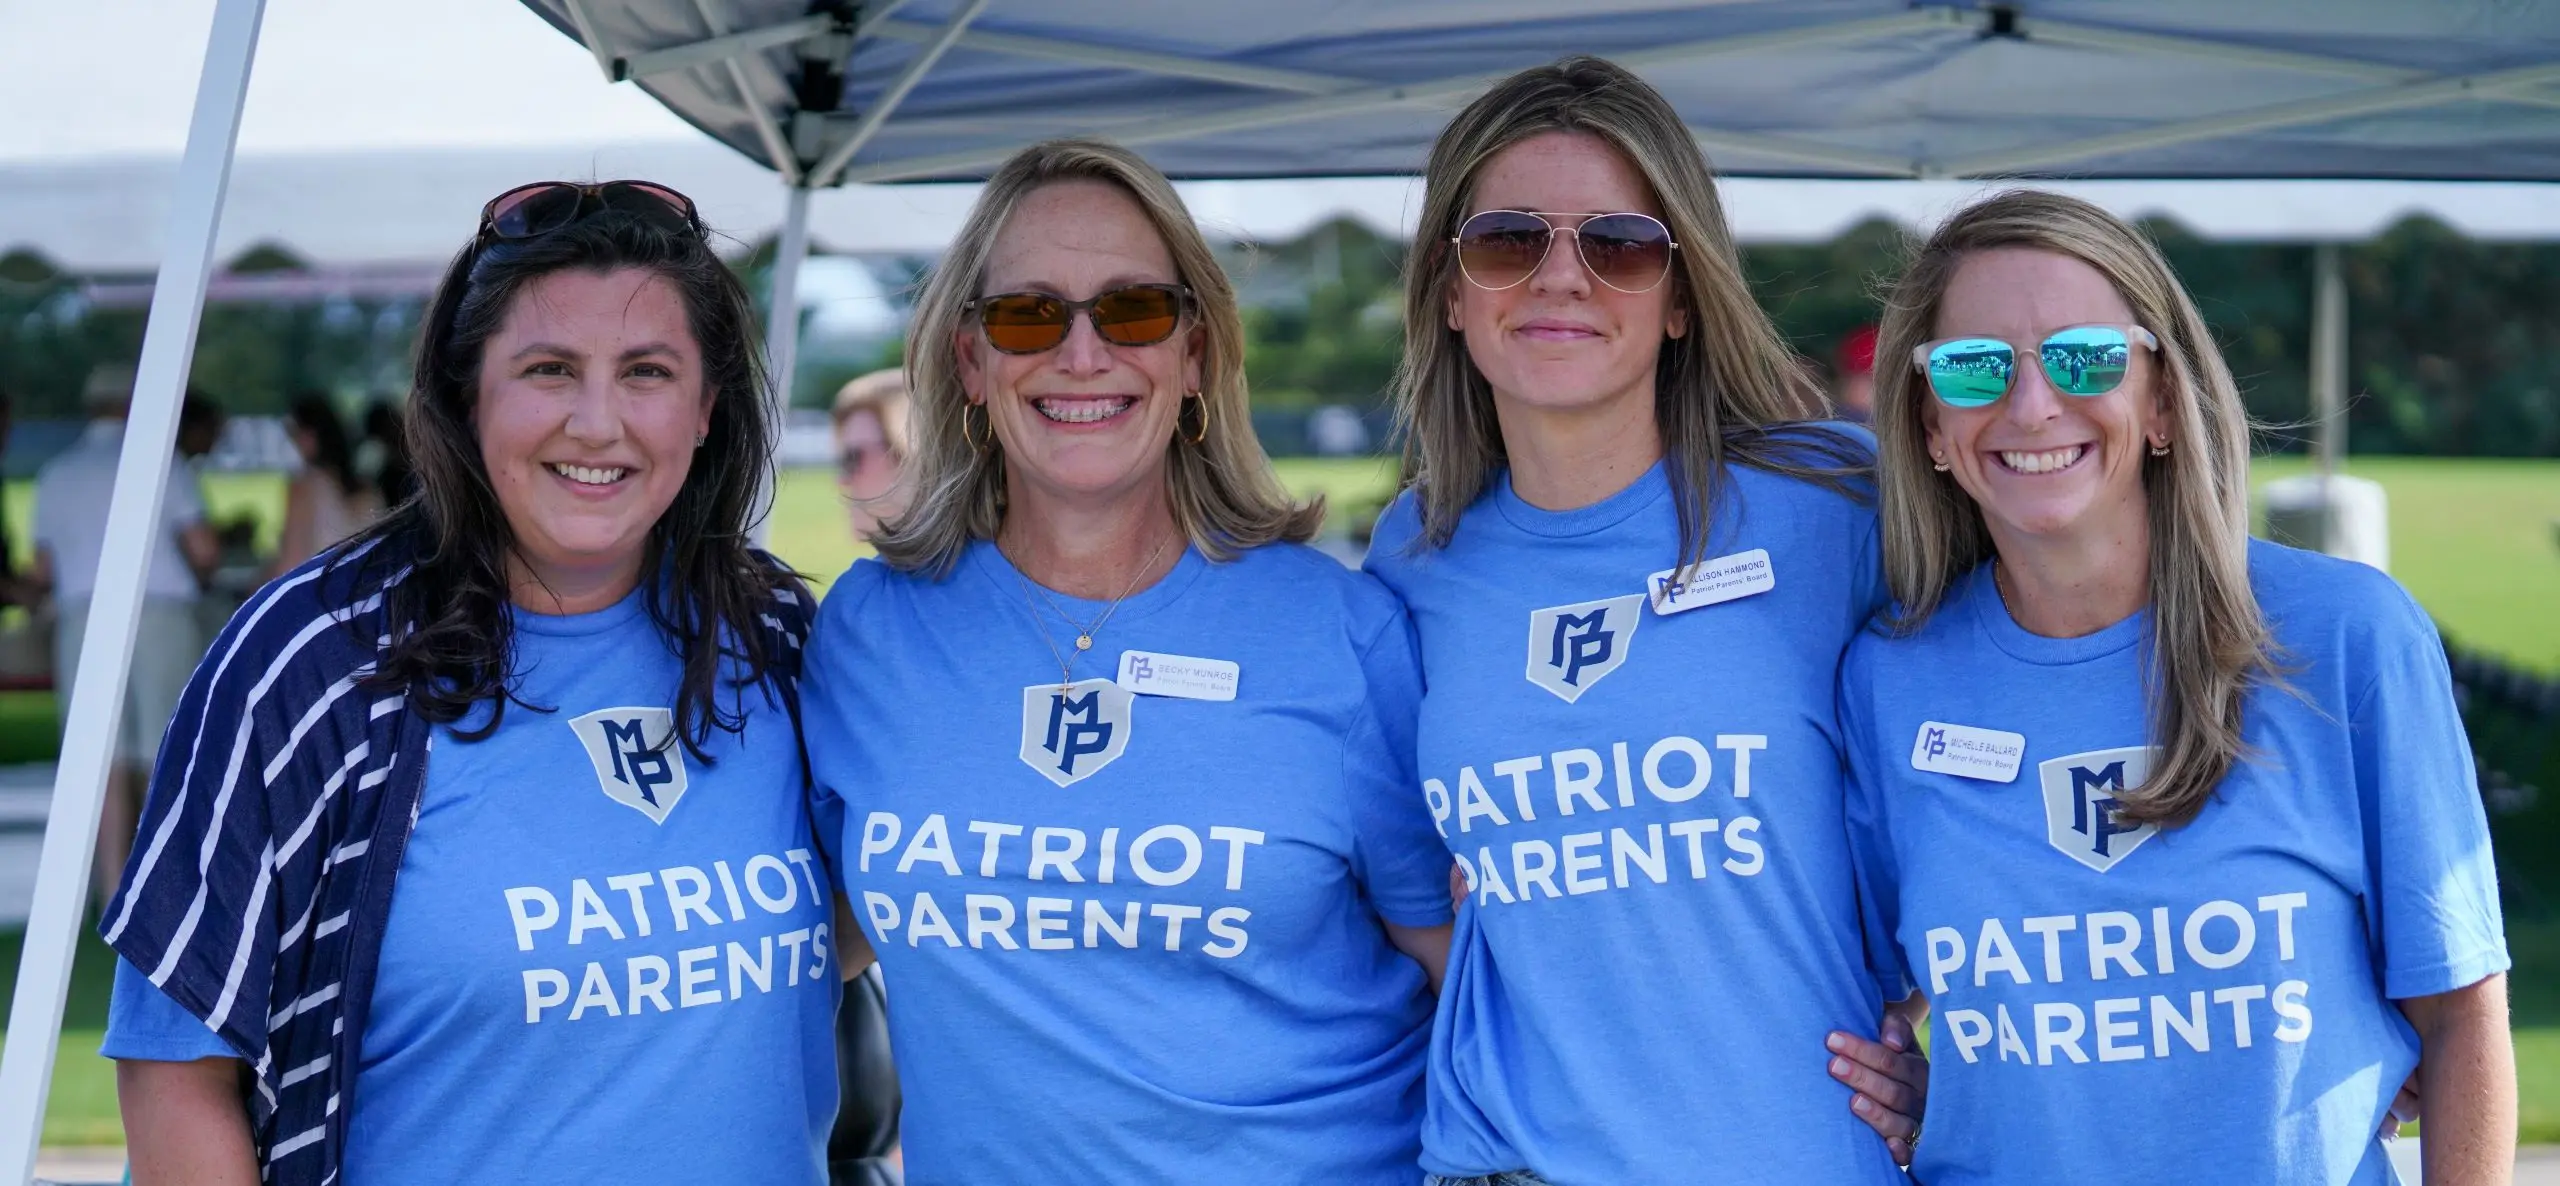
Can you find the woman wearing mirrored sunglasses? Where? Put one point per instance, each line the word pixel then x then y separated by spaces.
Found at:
pixel 479 848
pixel 2173 827
pixel 1609 473
pixel 1124 769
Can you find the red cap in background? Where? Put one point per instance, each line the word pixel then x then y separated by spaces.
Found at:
pixel 1856 353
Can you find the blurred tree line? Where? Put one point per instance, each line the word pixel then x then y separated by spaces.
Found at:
pixel 2454 346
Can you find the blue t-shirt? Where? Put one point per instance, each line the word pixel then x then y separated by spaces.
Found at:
pixel 1136 938
pixel 1664 922
pixel 2215 999
pixel 604 961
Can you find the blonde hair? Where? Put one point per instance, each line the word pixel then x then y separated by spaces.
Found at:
pixel 882 393
pixel 1225 496
pixel 1718 390
pixel 2208 641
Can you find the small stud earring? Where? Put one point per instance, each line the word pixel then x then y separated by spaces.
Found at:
pixel 699 438
pixel 1938 462
pixel 2160 448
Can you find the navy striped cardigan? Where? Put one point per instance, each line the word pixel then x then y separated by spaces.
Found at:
pixel 283 797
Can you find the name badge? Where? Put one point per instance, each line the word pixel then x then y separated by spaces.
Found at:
pixel 1967 752
pixel 1711 582
pixel 1151 674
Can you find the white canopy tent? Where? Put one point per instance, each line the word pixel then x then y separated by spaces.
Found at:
pixel 835 92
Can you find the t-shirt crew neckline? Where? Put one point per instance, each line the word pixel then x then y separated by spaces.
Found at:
pixel 1648 488
pixel 1992 612
pixel 611 617
pixel 1017 587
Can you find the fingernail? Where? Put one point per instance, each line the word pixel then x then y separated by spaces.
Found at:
pixel 1864 1106
pixel 1837 1041
pixel 1840 1066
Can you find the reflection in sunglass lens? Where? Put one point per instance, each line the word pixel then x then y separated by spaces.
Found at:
pixel 1023 323
pixel 535 210
pixel 2087 360
pixel 1500 248
pixel 1140 315
pixel 1971 372
pixel 1628 252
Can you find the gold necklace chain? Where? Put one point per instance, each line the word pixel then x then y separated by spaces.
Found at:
pixel 1084 633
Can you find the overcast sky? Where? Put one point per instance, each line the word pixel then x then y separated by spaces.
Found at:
pixel 84 78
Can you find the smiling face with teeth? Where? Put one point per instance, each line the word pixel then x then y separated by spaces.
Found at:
pixel 1088 421
pixel 591 396
pixel 2042 465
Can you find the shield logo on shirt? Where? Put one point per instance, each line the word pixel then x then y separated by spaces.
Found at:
pixel 638 762
pixel 2080 803
pixel 1071 732
pixel 1572 647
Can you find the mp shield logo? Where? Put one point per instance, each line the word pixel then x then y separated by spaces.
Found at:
pixel 638 762
pixel 1572 647
pixel 1069 734
pixel 2080 800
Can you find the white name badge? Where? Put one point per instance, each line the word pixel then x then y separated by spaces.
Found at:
pixel 1967 752
pixel 1151 674
pixel 1711 582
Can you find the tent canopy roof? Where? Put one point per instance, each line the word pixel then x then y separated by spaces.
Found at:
pixel 942 89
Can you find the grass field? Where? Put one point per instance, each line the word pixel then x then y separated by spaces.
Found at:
pixel 2477 542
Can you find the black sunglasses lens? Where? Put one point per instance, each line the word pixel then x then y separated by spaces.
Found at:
pixel 1140 315
pixel 1023 323
pixel 656 203
pixel 535 210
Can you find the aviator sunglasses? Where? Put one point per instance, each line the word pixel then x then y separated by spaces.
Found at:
pixel 1031 322
pixel 542 207
pixel 1499 249
pixel 2082 360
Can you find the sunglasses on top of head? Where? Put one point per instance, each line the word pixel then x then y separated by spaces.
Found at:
pixel 1501 249
pixel 1033 322
pixel 2081 360
pixel 528 211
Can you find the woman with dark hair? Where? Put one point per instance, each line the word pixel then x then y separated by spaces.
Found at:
pixel 1608 464
pixel 386 454
pixel 328 501
pixel 478 849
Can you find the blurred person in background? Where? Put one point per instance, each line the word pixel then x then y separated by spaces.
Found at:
pixel 871 449
pixel 327 501
pixel 384 456
pixel 72 494
pixel 200 425
pixel 1853 375
pixel 14 588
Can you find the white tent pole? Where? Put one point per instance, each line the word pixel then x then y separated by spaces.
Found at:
pixel 106 650
pixel 782 333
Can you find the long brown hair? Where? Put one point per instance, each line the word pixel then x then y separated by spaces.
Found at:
pixel 1719 390
pixel 453 636
pixel 2209 643
pixel 1225 495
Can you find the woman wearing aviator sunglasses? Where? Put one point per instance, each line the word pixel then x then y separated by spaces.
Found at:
pixel 1124 769
pixel 478 848
pixel 1661 929
pixel 2172 827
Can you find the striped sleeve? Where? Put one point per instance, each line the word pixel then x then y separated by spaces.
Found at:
pixel 271 728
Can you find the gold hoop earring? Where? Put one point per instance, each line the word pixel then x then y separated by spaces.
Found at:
pixel 981 446
pixel 2159 448
pixel 1201 437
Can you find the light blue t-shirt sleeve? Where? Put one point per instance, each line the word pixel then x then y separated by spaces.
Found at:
pixel 144 1023
pixel 2433 872
pixel 1879 875
pixel 1397 853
